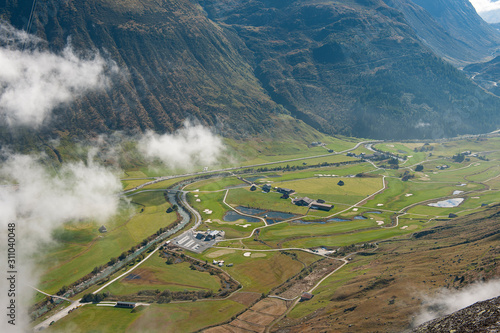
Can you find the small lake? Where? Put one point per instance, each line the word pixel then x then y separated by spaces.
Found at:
pixel 373 212
pixel 450 203
pixel 359 217
pixel 309 222
pixel 279 215
pixel 250 211
pixel 253 179
pixel 336 219
pixel 232 216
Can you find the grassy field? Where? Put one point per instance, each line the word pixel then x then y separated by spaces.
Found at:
pixel 80 247
pixel 326 188
pixel 184 317
pixel 180 317
pixel 156 274
pixel 261 271
pixel 99 319
pixel 214 184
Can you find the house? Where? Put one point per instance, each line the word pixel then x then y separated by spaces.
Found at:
pixel 306 297
pixel 305 201
pixel 266 188
pixel 321 206
pixel 103 229
pixel 340 183
pixel 285 190
pixel 128 305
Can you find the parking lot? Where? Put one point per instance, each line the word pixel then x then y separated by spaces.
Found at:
pixel 189 242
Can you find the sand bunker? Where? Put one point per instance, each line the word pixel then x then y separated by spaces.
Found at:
pixel 247 254
pixel 207 211
pixel 457 192
pixel 208 221
pixel 380 205
pixel 246 225
pixel 354 209
pixel 196 195
pixel 380 222
pixel 408 194
pixel 404 227
pixel 198 200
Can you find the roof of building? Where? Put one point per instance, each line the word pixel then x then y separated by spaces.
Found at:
pixel 319 204
pixel 306 296
pixel 304 199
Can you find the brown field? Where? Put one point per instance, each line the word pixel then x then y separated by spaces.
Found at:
pixel 245 298
pixel 255 319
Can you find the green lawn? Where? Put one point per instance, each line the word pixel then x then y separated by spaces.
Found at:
pixel 81 247
pixel 96 319
pixel 156 274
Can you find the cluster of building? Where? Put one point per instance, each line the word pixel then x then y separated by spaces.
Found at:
pixel 304 201
pixel 209 235
pixel 442 167
pixel 311 203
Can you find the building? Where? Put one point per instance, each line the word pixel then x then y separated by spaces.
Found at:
pixel 306 297
pixel 266 188
pixel 285 190
pixel 200 235
pixel 321 206
pixel 305 201
pixel 127 305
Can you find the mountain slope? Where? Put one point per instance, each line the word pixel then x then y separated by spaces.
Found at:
pixel 479 317
pixel 178 64
pixel 354 66
pixel 486 74
pixel 452 29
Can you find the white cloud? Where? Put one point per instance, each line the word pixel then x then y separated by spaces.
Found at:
pixel 192 145
pixel 39 200
pixel 485 5
pixel 446 301
pixel 33 82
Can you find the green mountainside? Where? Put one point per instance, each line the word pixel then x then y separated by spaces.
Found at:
pixel 343 67
pixel 486 74
pixel 355 67
pixel 452 29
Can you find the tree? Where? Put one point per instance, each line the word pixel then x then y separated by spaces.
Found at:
pixel 419 168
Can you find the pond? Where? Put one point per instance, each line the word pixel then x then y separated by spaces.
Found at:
pixel 336 219
pixel 279 215
pixel 373 212
pixel 450 203
pixel 232 216
pixel 250 211
pixel 359 217
pixel 310 222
